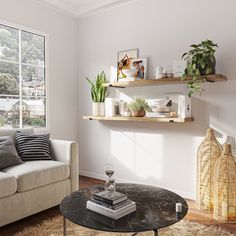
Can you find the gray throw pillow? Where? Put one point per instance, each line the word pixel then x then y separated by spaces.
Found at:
pixel 8 153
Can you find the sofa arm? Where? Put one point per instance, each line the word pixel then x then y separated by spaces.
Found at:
pixel 67 151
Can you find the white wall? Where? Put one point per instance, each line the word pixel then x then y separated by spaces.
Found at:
pixel 158 154
pixel 62 30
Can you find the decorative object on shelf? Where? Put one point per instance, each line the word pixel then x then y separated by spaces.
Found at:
pixel 123 108
pixel 124 60
pixel 98 94
pixel 208 152
pixel 200 61
pixel 184 106
pixel 111 107
pixel 140 65
pixel 170 75
pixel 178 68
pixel 138 107
pixel 158 108
pixel 225 187
pixel 159 70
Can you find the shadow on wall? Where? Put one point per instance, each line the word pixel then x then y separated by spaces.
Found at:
pixel 160 154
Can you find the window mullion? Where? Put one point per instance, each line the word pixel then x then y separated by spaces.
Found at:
pixel 20 81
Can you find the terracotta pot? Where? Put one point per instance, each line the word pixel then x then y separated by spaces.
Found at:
pixel 138 113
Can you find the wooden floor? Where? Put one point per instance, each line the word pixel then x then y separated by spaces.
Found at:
pixel 193 215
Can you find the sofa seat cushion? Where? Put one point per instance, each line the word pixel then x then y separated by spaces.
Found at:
pixel 34 174
pixel 8 184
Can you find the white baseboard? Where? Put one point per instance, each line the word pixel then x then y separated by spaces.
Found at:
pixel 187 195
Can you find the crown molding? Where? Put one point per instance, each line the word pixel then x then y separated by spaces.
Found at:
pixel 102 8
pixel 58 9
pixel 85 10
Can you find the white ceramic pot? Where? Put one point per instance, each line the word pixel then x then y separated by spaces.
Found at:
pixel 98 109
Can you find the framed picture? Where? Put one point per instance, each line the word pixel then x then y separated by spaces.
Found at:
pixel 124 60
pixel 140 66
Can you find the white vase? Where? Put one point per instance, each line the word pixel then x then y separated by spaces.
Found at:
pixel 98 109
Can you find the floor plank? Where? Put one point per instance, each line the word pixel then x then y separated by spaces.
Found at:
pixel 193 214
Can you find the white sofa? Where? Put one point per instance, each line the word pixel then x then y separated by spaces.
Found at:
pixel 35 186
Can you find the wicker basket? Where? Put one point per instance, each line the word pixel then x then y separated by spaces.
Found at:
pixel 208 152
pixel 225 187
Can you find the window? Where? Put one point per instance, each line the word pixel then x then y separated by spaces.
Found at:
pixel 22 78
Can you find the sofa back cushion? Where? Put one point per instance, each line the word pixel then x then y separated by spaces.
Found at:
pixel 33 147
pixel 8 153
pixel 12 132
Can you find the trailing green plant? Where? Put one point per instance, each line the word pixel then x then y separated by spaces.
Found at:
pixel 139 104
pixel 200 61
pixel 98 91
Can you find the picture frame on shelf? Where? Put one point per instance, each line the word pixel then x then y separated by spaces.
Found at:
pixel 124 60
pixel 140 65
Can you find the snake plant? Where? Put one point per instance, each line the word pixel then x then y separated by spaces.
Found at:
pixel 98 91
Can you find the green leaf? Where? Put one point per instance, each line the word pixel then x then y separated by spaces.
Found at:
pixel 98 91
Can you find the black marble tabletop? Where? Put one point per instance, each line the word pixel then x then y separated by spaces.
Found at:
pixel 155 209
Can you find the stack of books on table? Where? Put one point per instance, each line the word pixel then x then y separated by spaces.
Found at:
pixel 111 204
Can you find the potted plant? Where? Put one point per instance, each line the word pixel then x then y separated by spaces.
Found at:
pixel 138 107
pixel 98 94
pixel 200 61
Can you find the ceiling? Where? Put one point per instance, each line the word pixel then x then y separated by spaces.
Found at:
pixel 80 8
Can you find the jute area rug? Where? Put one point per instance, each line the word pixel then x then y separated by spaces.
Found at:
pixel 53 227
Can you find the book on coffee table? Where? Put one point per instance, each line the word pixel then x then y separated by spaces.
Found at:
pixel 113 207
pixel 114 214
pixel 110 198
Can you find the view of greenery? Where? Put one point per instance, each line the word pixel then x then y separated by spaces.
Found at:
pixel 32 84
pixel 8 84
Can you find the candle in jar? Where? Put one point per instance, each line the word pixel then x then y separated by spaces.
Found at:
pixel 178 207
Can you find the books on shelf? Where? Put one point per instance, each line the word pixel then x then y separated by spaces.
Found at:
pixel 111 199
pixel 111 204
pixel 158 114
pixel 114 214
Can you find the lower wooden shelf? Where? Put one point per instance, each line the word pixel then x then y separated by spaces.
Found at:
pixel 142 119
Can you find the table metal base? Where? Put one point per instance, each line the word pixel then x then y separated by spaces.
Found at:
pixel 64 226
pixel 64 229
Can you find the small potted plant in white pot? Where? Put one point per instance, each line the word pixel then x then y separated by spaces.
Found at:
pixel 138 107
pixel 98 94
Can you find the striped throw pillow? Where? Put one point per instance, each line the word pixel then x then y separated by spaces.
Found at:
pixel 33 147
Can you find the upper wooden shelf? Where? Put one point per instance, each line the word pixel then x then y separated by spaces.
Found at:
pixel 143 119
pixel 165 81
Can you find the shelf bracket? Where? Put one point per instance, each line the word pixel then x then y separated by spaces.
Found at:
pixel 116 86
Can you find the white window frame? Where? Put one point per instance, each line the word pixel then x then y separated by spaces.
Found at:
pixel 46 66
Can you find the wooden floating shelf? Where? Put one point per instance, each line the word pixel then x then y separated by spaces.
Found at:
pixel 142 119
pixel 165 81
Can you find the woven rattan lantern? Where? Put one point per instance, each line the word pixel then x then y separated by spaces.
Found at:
pixel 208 152
pixel 225 187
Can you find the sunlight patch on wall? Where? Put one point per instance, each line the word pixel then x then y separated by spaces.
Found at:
pixel 140 153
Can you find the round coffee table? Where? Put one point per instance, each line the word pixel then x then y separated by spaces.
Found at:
pixel 155 209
